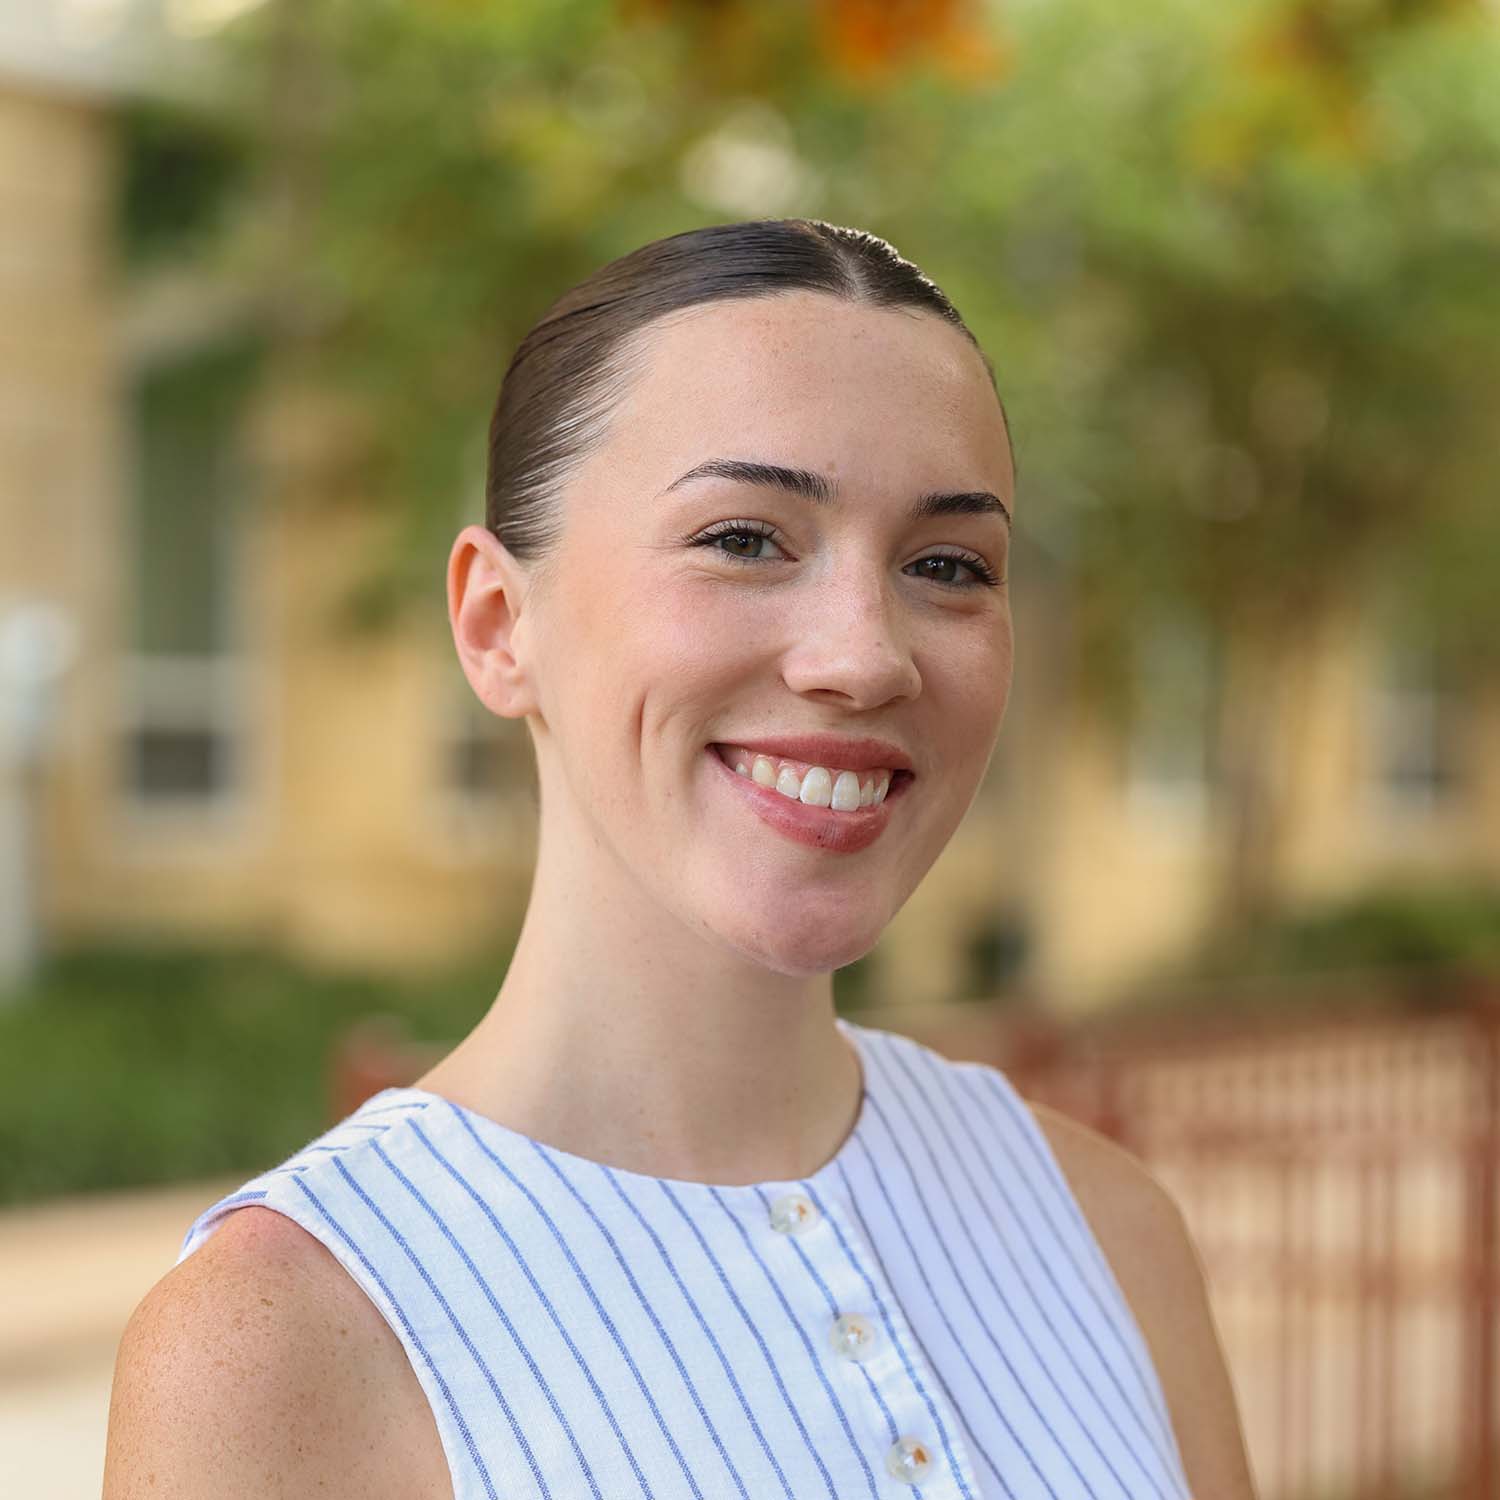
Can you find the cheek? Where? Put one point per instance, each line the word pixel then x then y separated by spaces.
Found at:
pixel 647 658
pixel 700 629
pixel 1000 662
pixel 977 651
pixel 968 683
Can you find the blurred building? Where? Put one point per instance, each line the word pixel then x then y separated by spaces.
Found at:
pixel 225 764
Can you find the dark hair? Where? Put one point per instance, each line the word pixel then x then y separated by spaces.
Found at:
pixel 568 373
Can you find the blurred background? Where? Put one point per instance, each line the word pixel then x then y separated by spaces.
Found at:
pixel 1231 892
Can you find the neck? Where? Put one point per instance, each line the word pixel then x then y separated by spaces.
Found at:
pixel 628 1039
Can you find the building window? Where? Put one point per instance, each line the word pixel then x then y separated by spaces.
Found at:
pixel 183 690
pixel 1172 745
pixel 995 952
pixel 478 751
pixel 1416 725
pixel 484 803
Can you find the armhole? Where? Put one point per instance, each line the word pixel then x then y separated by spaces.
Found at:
pixel 202 1228
pixel 1063 1195
pixel 357 1267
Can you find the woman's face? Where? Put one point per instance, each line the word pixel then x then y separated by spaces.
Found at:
pixel 656 640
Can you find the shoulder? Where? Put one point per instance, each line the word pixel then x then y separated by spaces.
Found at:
pixel 257 1365
pixel 1121 1197
pixel 1143 1234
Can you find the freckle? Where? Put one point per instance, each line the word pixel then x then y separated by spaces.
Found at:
pixel 266 1302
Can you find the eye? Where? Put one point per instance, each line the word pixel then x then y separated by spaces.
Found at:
pixel 753 531
pixel 981 575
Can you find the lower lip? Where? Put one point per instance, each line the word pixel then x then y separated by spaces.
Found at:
pixel 817 827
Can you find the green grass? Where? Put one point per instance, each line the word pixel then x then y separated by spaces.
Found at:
pixel 124 1067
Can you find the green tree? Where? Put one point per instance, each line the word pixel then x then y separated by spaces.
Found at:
pixel 1245 265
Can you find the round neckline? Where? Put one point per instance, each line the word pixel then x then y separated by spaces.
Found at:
pixel 484 1126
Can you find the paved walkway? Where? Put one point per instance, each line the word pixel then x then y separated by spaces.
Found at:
pixel 71 1272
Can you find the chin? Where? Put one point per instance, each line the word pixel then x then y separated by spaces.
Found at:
pixel 804 949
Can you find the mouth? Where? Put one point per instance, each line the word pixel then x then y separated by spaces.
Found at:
pixel 831 829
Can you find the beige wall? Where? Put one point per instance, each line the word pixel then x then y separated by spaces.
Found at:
pixel 343 846
pixel 339 845
pixel 59 539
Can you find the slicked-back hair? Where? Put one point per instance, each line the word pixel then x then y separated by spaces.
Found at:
pixel 572 368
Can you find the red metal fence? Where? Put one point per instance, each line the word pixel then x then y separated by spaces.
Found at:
pixel 1339 1167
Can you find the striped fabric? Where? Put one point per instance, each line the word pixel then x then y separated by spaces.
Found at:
pixel 927 1313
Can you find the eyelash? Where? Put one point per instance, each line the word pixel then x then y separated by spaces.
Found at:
pixel 983 575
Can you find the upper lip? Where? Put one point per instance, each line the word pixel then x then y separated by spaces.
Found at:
pixel 831 750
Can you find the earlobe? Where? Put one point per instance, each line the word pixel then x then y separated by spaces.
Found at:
pixel 486 589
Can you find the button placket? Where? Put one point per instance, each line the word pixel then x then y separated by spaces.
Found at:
pixel 861 1335
pixel 853 1336
pixel 909 1459
pixel 793 1213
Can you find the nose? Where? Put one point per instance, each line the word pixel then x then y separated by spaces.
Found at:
pixel 850 643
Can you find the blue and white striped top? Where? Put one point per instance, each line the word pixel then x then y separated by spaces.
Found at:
pixel 928 1312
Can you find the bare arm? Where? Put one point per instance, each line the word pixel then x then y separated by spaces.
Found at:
pixel 258 1368
pixel 1143 1235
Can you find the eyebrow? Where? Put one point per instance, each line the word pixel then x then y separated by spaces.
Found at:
pixel 819 489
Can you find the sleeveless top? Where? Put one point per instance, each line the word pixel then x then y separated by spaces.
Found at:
pixel 929 1311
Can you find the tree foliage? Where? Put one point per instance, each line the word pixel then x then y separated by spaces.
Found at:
pixel 1236 263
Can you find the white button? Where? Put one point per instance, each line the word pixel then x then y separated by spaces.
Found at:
pixel 792 1213
pixel 909 1459
pixel 852 1336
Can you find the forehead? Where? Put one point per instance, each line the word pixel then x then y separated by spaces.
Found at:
pixel 894 400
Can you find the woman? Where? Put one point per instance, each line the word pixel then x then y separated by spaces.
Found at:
pixel 663 1224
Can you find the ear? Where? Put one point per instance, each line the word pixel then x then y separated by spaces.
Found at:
pixel 487 588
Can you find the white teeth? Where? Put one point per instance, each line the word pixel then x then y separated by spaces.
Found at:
pixel 843 791
pixel 845 795
pixel 817 787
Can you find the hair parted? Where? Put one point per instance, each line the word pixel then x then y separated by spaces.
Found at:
pixel 568 373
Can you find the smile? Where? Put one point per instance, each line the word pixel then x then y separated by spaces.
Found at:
pixel 822 807
pixel 818 786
